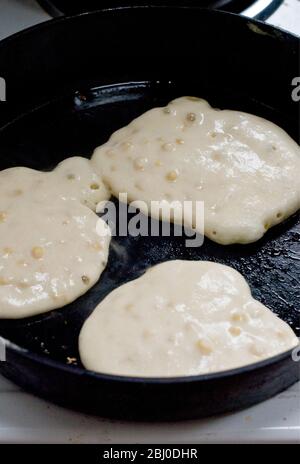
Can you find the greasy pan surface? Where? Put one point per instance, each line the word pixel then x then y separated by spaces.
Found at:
pixel 70 84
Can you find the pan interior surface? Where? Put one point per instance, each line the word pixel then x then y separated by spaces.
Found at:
pixel 78 122
pixel 73 81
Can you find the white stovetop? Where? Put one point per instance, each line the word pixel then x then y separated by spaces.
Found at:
pixel 26 419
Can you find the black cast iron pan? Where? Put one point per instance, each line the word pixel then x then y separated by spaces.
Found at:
pixel 70 83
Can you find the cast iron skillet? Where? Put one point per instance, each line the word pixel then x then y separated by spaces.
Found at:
pixel 70 83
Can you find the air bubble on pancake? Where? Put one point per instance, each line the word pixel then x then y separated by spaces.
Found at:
pixel 3 216
pixel 37 252
pixel 172 176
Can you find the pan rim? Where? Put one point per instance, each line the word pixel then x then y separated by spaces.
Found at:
pixel 201 10
pixel 82 372
pixel 78 371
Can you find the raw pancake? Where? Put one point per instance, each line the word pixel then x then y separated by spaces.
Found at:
pixel 79 181
pixel 181 318
pixel 244 168
pixel 73 179
pixel 50 254
pixel 50 251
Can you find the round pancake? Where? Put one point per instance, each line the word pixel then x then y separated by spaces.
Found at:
pixel 50 254
pixel 181 318
pixel 244 168
pixel 50 248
